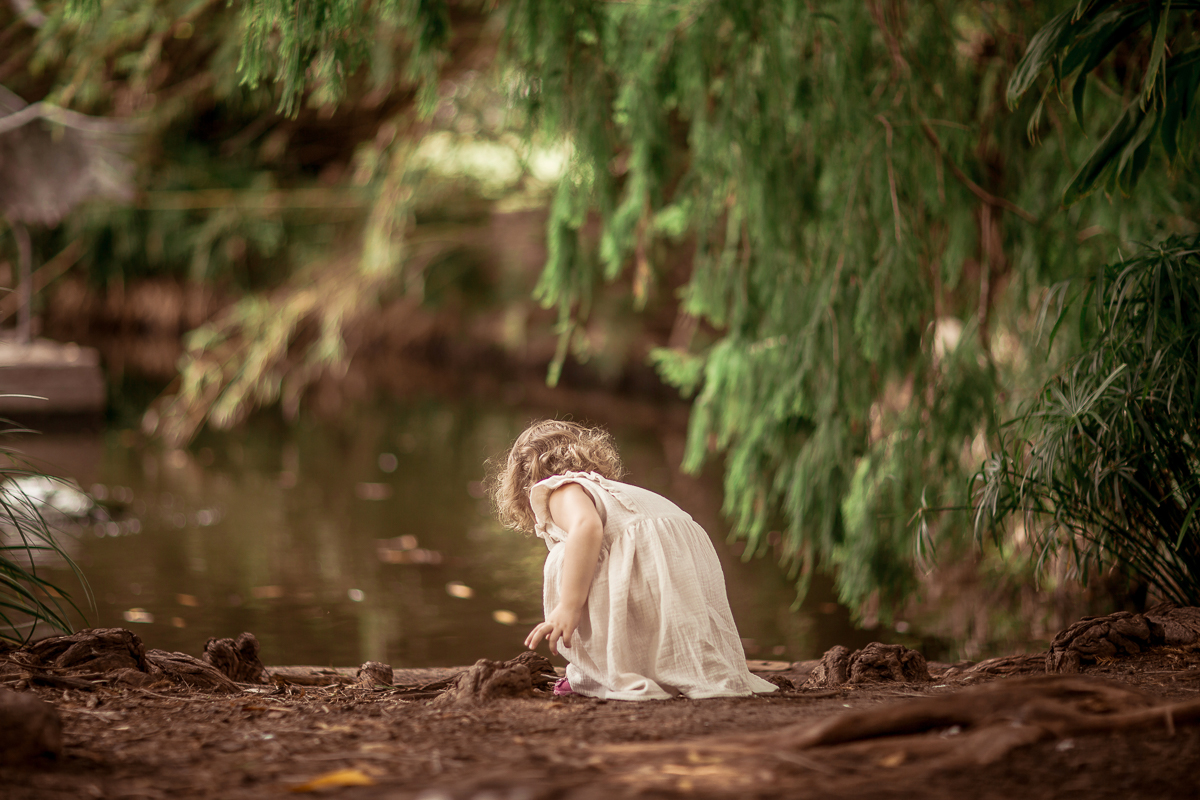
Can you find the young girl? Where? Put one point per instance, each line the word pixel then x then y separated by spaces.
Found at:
pixel 634 595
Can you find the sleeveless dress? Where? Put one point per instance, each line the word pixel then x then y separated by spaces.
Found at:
pixel 656 623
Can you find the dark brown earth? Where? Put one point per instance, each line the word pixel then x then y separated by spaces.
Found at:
pixel 1122 722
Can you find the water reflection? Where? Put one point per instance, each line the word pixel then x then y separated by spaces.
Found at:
pixel 369 539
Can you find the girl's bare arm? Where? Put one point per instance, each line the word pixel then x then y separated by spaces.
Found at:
pixel 572 509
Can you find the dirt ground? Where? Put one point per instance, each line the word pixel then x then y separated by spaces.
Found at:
pixel 344 741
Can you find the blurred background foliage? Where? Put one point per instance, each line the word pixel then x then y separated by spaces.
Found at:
pixel 839 234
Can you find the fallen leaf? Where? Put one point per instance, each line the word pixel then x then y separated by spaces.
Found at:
pixel 339 777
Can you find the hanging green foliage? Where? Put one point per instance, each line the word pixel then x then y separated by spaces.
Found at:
pixel 1149 50
pixel 867 220
pixel 835 197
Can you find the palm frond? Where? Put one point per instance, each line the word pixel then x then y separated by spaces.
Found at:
pixel 1103 467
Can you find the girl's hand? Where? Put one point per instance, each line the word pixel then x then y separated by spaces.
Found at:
pixel 560 624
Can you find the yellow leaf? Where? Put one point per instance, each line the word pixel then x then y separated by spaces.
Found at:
pixel 339 777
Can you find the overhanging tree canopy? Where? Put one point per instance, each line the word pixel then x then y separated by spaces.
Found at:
pixel 855 217
pixel 856 191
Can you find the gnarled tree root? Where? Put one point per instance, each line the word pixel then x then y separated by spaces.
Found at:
pixel 374 673
pixel 237 659
pixel 491 680
pixel 1000 667
pixel 115 655
pixel 1037 700
pixel 89 650
pixel 975 726
pixel 1121 634
pixel 186 670
pixel 875 663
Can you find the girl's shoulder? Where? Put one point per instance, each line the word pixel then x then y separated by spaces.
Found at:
pixel 539 499
pixel 553 482
pixel 602 490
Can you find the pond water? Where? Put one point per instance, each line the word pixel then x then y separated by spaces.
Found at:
pixel 363 538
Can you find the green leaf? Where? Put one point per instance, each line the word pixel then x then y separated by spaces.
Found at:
pixel 1035 118
pixel 1187 521
pixel 1136 152
pixel 1106 30
pixel 1101 161
pixel 1159 24
pixel 1059 290
pixel 1077 98
pixel 1183 82
pixel 1043 51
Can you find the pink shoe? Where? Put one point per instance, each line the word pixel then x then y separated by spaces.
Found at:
pixel 562 687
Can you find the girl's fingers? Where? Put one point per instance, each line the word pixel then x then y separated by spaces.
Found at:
pixel 548 631
pixel 543 631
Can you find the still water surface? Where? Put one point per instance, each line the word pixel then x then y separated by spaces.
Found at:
pixel 364 539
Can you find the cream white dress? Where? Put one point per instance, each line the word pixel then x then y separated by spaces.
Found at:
pixel 657 622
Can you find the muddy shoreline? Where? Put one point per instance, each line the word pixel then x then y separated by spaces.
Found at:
pixel 1115 723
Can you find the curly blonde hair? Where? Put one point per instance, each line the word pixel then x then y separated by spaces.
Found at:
pixel 546 448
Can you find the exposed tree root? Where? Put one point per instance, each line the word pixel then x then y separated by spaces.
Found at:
pixel 832 670
pixel 976 726
pixel 88 650
pixel 237 659
pixel 189 671
pixel 875 663
pixel 1121 634
pixel 374 673
pixel 1001 667
pixel 1011 702
pixel 490 680
pixel 96 656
